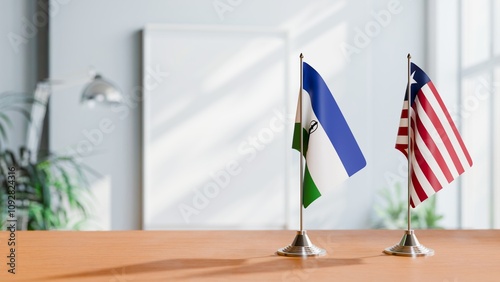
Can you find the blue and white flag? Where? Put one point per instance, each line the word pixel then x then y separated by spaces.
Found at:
pixel 330 149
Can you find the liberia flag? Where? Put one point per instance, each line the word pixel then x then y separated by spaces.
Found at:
pixel 331 152
pixel 438 154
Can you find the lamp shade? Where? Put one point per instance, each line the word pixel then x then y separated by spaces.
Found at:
pixel 101 90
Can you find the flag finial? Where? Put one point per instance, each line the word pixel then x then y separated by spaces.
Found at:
pixel 301 56
pixel 409 56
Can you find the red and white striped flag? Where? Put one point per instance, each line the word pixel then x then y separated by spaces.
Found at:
pixel 438 153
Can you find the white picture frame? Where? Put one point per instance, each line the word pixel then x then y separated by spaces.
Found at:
pixel 216 132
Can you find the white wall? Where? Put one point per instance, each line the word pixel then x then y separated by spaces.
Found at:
pixel 17 57
pixel 368 85
pixel 467 88
pixel 443 70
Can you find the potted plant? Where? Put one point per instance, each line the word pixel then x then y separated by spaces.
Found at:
pixel 50 193
pixel 393 212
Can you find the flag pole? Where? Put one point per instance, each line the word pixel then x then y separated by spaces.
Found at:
pixel 301 173
pixel 301 245
pixel 409 246
pixel 409 139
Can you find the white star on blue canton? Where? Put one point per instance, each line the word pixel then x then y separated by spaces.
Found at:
pixel 412 78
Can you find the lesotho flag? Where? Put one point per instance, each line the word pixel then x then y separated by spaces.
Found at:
pixel 331 152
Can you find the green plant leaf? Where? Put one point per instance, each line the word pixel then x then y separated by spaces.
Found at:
pixel 56 188
pixel 392 213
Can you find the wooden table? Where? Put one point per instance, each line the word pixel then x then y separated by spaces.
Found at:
pixel 120 256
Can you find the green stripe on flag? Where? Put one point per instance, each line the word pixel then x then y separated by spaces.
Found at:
pixel 311 192
pixel 296 138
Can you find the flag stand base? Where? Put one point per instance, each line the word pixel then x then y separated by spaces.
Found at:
pixel 301 247
pixel 409 247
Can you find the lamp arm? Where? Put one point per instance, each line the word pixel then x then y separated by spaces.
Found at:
pixel 38 111
pixel 59 84
pixel 97 88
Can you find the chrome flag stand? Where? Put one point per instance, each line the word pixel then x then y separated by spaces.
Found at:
pixel 409 245
pixel 301 245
